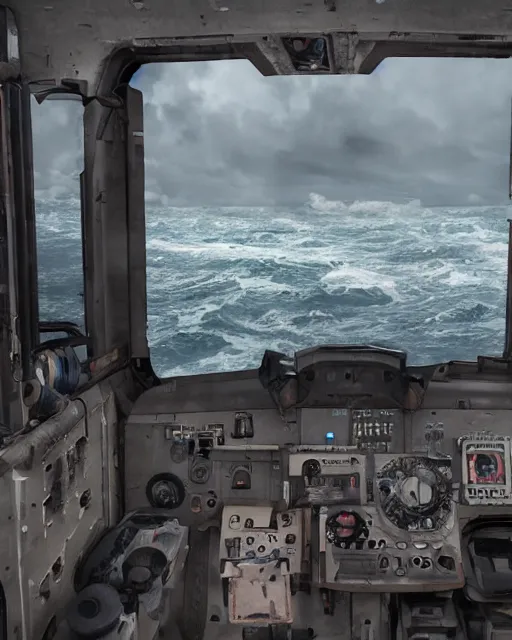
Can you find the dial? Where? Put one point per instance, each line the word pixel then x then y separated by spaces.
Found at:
pixel 415 493
pixel 165 491
pixel 345 527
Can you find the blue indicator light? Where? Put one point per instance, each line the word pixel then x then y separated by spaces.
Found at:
pixel 329 435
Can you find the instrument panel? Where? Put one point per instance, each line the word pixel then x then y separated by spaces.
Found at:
pixel 380 521
pixel 348 473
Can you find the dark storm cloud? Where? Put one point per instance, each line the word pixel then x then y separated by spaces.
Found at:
pixel 219 133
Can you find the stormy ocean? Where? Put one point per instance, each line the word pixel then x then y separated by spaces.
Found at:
pixel 224 284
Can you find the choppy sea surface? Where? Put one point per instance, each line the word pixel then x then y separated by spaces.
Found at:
pixel 224 284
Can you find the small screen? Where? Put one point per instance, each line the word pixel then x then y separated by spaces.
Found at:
pixel 486 467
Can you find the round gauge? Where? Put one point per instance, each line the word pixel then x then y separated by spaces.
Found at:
pixel 414 493
pixel 200 473
pixel 485 465
pixel 487 468
pixel 165 491
pixel 345 527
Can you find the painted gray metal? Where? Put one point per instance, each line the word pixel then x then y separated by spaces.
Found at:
pixel 72 39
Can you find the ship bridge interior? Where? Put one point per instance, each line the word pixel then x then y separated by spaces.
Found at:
pixel 334 492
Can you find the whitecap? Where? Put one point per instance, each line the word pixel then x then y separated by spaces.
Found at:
pixel 349 277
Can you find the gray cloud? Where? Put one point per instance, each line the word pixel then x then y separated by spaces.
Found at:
pixel 58 147
pixel 219 133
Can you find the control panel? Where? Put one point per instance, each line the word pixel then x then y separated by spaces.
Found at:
pixel 381 521
pixel 247 534
pixel 328 477
pixel 258 560
pixel 198 473
pixel 342 471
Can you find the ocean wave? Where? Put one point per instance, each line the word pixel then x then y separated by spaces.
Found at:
pixel 321 204
pixel 354 278
pixel 224 284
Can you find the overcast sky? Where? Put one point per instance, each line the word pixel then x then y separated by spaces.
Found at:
pixel 220 133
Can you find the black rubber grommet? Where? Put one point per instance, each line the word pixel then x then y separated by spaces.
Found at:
pixel 95 611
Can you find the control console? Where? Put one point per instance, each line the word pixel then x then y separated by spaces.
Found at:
pixel 259 553
pixel 380 521
pixel 342 471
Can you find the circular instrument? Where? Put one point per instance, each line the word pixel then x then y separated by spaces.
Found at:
pixel 486 468
pixel 165 491
pixel 414 493
pixel 345 527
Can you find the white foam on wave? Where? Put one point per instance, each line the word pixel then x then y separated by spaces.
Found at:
pixel 263 285
pixel 462 313
pixel 349 277
pixel 316 313
pixel 447 272
pixel 459 278
pixel 301 226
pixel 367 207
pixel 320 203
pixel 243 352
pixel 495 256
pixel 284 253
pixel 477 235
pixel 192 320
pixel 54 217
pixel 439 270
pixel 376 207
pixel 495 248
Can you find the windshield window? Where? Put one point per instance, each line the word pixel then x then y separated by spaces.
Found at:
pixel 285 212
pixel 289 211
pixel 58 162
